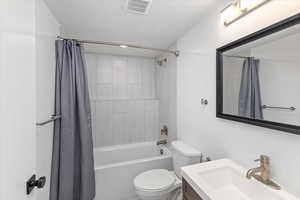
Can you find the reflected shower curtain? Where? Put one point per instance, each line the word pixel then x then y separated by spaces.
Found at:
pixel 250 105
pixel 72 172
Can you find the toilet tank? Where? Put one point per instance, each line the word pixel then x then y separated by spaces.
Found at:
pixel 183 155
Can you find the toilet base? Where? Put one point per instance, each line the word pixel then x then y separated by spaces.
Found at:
pixel 174 194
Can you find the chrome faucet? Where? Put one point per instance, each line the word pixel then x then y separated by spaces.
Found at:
pixel 159 142
pixel 263 172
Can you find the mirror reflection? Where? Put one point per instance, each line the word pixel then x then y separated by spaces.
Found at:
pixel 261 80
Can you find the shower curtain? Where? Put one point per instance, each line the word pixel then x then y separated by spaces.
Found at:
pixel 250 105
pixel 72 172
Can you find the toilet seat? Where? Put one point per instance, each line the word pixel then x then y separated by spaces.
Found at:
pixel 156 180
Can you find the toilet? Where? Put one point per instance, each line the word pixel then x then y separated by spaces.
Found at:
pixel 161 184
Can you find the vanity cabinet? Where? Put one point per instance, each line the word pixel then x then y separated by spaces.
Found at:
pixel 188 192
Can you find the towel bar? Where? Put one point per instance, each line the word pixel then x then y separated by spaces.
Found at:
pixel 279 107
pixel 52 118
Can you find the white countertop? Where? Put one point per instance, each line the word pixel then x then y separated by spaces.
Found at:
pixel 226 180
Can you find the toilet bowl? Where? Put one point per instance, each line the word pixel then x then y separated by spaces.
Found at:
pixel 161 184
pixel 157 184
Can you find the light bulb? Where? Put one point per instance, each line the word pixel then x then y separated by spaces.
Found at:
pixel 250 4
pixel 230 14
pixel 245 4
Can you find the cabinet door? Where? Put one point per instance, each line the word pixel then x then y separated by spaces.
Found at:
pixel 188 192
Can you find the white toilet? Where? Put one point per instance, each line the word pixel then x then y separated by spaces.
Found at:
pixel 161 184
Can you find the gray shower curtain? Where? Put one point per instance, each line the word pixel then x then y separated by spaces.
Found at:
pixel 72 172
pixel 250 105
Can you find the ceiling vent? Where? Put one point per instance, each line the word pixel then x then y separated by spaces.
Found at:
pixel 138 6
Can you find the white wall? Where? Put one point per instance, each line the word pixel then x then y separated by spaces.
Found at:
pixel 167 93
pixel 17 99
pixel 124 99
pixel 220 138
pixel 47 28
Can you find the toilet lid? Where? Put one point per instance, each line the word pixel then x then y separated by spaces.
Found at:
pixel 157 179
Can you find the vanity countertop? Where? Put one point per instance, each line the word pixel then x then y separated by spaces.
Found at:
pixel 226 180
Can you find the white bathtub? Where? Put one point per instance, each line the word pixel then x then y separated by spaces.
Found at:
pixel 117 166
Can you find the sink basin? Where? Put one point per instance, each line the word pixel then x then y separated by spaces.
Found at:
pixel 228 182
pixel 224 179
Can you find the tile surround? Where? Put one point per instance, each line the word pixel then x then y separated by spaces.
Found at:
pixel 125 106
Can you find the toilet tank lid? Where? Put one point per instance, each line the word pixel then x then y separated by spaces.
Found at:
pixel 185 149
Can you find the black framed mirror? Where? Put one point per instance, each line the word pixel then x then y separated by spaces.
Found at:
pixel 258 78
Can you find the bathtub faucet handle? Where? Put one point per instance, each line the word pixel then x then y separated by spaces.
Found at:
pixel 164 130
pixel 159 142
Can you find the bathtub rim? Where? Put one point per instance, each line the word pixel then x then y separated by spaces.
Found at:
pixel 167 154
pixel 124 146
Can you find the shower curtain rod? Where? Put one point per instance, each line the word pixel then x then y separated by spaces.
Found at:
pixel 176 52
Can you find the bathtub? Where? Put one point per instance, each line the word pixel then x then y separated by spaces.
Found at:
pixel 116 167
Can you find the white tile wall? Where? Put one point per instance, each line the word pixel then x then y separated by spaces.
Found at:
pixel 167 92
pixel 125 106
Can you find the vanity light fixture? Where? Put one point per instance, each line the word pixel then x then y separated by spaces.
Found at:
pixel 239 9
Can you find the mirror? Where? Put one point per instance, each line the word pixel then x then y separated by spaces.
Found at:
pixel 258 78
